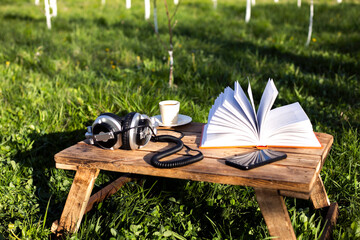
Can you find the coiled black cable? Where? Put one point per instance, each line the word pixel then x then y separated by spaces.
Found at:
pixel 155 160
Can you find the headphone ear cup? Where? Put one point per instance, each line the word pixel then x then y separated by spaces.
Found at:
pixel 126 125
pixel 106 123
pixel 105 128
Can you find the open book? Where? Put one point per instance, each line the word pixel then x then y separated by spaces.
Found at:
pixel 234 122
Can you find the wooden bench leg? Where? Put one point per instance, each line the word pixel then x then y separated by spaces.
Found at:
pixel 275 213
pixel 318 194
pixel 77 200
pixel 331 217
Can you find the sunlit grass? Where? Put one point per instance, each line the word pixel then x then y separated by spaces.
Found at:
pixel 95 59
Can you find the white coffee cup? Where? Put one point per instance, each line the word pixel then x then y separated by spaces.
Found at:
pixel 169 111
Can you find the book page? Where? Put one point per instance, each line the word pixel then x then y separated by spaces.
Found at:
pixel 227 120
pixel 283 116
pixel 245 105
pixel 215 106
pixel 225 107
pixel 296 139
pixel 289 126
pixel 227 116
pixel 227 124
pixel 218 131
pixel 267 100
pixel 236 110
pixel 253 105
pixel 224 139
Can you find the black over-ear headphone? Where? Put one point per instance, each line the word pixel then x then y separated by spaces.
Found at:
pixel 110 131
pixel 134 131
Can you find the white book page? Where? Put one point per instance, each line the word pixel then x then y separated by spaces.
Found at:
pixel 227 123
pixel 216 105
pixel 225 140
pixel 245 105
pixel 289 126
pixel 296 139
pixel 228 117
pixel 267 100
pixel 253 105
pixel 221 112
pixel 228 120
pixel 232 105
pixel 224 122
pixel 217 131
pixel 283 116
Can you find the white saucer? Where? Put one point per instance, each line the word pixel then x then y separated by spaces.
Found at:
pixel 182 120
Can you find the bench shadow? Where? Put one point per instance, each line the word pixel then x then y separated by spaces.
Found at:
pixel 40 158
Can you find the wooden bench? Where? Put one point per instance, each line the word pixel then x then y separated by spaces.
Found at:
pixel 296 176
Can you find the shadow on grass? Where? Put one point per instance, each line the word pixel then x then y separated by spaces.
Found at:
pixel 26 18
pixel 41 159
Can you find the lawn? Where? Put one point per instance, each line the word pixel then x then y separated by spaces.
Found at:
pixel 106 58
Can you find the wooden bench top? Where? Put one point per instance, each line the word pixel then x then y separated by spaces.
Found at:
pixel 298 172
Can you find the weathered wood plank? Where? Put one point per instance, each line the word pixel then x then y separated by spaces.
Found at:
pixel 293 194
pixel 329 141
pixel 301 160
pixel 77 199
pixel 209 169
pixel 66 166
pixel 318 194
pixel 275 213
pixel 227 152
pixel 299 169
pixel 330 219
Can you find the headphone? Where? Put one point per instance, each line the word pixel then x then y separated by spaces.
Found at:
pixel 110 131
pixel 135 130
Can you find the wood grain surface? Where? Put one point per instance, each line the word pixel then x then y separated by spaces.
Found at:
pixel 298 172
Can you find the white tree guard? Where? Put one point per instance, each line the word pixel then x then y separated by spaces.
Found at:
pixel 253 2
pixel 147 9
pixel 176 2
pixel 171 58
pixel 53 6
pixel 37 2
pixel 248 11
pixel 299 3
pixel 47 14
pixel 50 11
pixel 339 1
pixel 214 3
pixel 276 1
pixel 155 20
pixel 103 2
pixel 310 22
pixel 128 4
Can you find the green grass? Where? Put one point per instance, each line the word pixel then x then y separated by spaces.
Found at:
pixel 53 83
